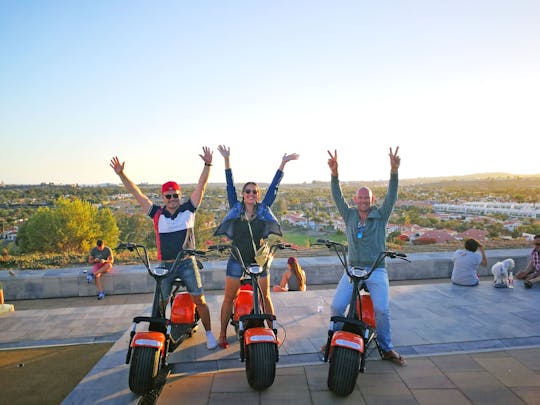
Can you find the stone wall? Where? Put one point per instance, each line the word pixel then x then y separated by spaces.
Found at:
pixel 71 282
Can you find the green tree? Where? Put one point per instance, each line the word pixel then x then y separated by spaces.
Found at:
pixel 69 226
pixel 136 228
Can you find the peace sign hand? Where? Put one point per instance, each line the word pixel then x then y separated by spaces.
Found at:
pixel 395 160
pixel 333 163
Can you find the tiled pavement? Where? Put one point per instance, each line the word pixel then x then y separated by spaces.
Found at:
pixel 463 345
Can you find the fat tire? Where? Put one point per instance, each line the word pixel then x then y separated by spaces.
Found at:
pixel 143 369
pixel 343 370
pixel 261 361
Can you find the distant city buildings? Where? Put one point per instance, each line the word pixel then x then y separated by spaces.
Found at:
pixel 523 210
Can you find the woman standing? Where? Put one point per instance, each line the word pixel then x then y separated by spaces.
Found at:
pixel 247 224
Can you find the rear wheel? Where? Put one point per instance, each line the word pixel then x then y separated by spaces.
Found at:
pixel 343 370
pixel 261 365
pixel 143 369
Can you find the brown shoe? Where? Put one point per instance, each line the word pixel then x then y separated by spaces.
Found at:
pixel 394 357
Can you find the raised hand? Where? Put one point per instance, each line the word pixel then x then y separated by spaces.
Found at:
pixel 395 160
pixel 116 165
pixel 286 158
pixel 224 150
pixel 333 163
pixel 207 155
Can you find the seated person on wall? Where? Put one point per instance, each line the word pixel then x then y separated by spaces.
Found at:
pixel 531 274
pixel 466 262
pixel 294 279
pixel 102 259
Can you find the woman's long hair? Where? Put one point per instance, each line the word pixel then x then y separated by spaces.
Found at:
pixel 298 272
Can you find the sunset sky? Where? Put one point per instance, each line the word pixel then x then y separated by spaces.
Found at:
pixel 455 84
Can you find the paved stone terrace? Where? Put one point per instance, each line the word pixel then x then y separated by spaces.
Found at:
pixel 464 345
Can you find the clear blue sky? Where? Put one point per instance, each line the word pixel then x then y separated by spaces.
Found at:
pixel 456 84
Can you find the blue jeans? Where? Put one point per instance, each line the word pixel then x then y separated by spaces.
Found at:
pixel 234 269
pixel 188 271
pixel 378 287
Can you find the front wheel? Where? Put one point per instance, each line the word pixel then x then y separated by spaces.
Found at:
pixel 261 361
pixel 143 369
pixel 343 370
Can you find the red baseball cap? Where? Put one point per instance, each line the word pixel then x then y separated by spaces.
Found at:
pixel 170 186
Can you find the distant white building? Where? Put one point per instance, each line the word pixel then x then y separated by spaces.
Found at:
pixel 519 210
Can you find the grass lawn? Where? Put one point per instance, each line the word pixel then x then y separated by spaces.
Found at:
pixel 45 375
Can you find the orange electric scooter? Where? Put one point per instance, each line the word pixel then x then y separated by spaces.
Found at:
pixel 258 343
pixel 346 348
pixel 148 350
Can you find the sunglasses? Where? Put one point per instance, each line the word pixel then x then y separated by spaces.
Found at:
pixel 169 196
pixel 250 191
pixel 360 231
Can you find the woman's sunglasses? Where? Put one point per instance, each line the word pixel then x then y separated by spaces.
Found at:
pixel 250 191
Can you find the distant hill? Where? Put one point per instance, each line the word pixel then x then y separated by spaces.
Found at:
pixel 473 177
pixel 478 177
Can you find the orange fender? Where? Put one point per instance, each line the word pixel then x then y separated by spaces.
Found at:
pixel 347 339
pixel 183 309
pixel 149 339
pixel 259 335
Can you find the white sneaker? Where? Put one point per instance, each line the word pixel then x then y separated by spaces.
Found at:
pixel 211 342
pixel 90 277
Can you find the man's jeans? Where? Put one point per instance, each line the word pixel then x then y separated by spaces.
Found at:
pixel 378 287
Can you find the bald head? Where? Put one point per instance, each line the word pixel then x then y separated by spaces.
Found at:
pixel 364 199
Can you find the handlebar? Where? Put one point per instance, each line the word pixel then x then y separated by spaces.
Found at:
pixel 341 251
pixel 236 253
pixel 273 247
pixel 143 256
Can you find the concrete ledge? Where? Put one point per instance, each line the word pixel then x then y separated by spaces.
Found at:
pixel 71 282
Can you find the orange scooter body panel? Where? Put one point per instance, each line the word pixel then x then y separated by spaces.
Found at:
pixel 347 339
pixel 183 309
pixel 243 303
pixel 155 340
pixel 368 314
pixel 259 335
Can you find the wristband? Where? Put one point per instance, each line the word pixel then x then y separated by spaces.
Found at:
pixel 207 164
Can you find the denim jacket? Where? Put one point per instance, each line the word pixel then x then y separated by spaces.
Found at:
pixel 264 213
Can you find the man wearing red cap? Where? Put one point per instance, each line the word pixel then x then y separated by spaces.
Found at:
pixel 173 225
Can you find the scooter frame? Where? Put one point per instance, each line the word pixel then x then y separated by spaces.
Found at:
pixel 359 325
pixel 148 350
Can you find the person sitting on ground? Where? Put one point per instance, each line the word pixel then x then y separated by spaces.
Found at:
pixel 294 279
pixel 531 274
pixel 466 262
pixel 102 259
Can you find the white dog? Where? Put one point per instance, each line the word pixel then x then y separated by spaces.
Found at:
pixel 500 272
